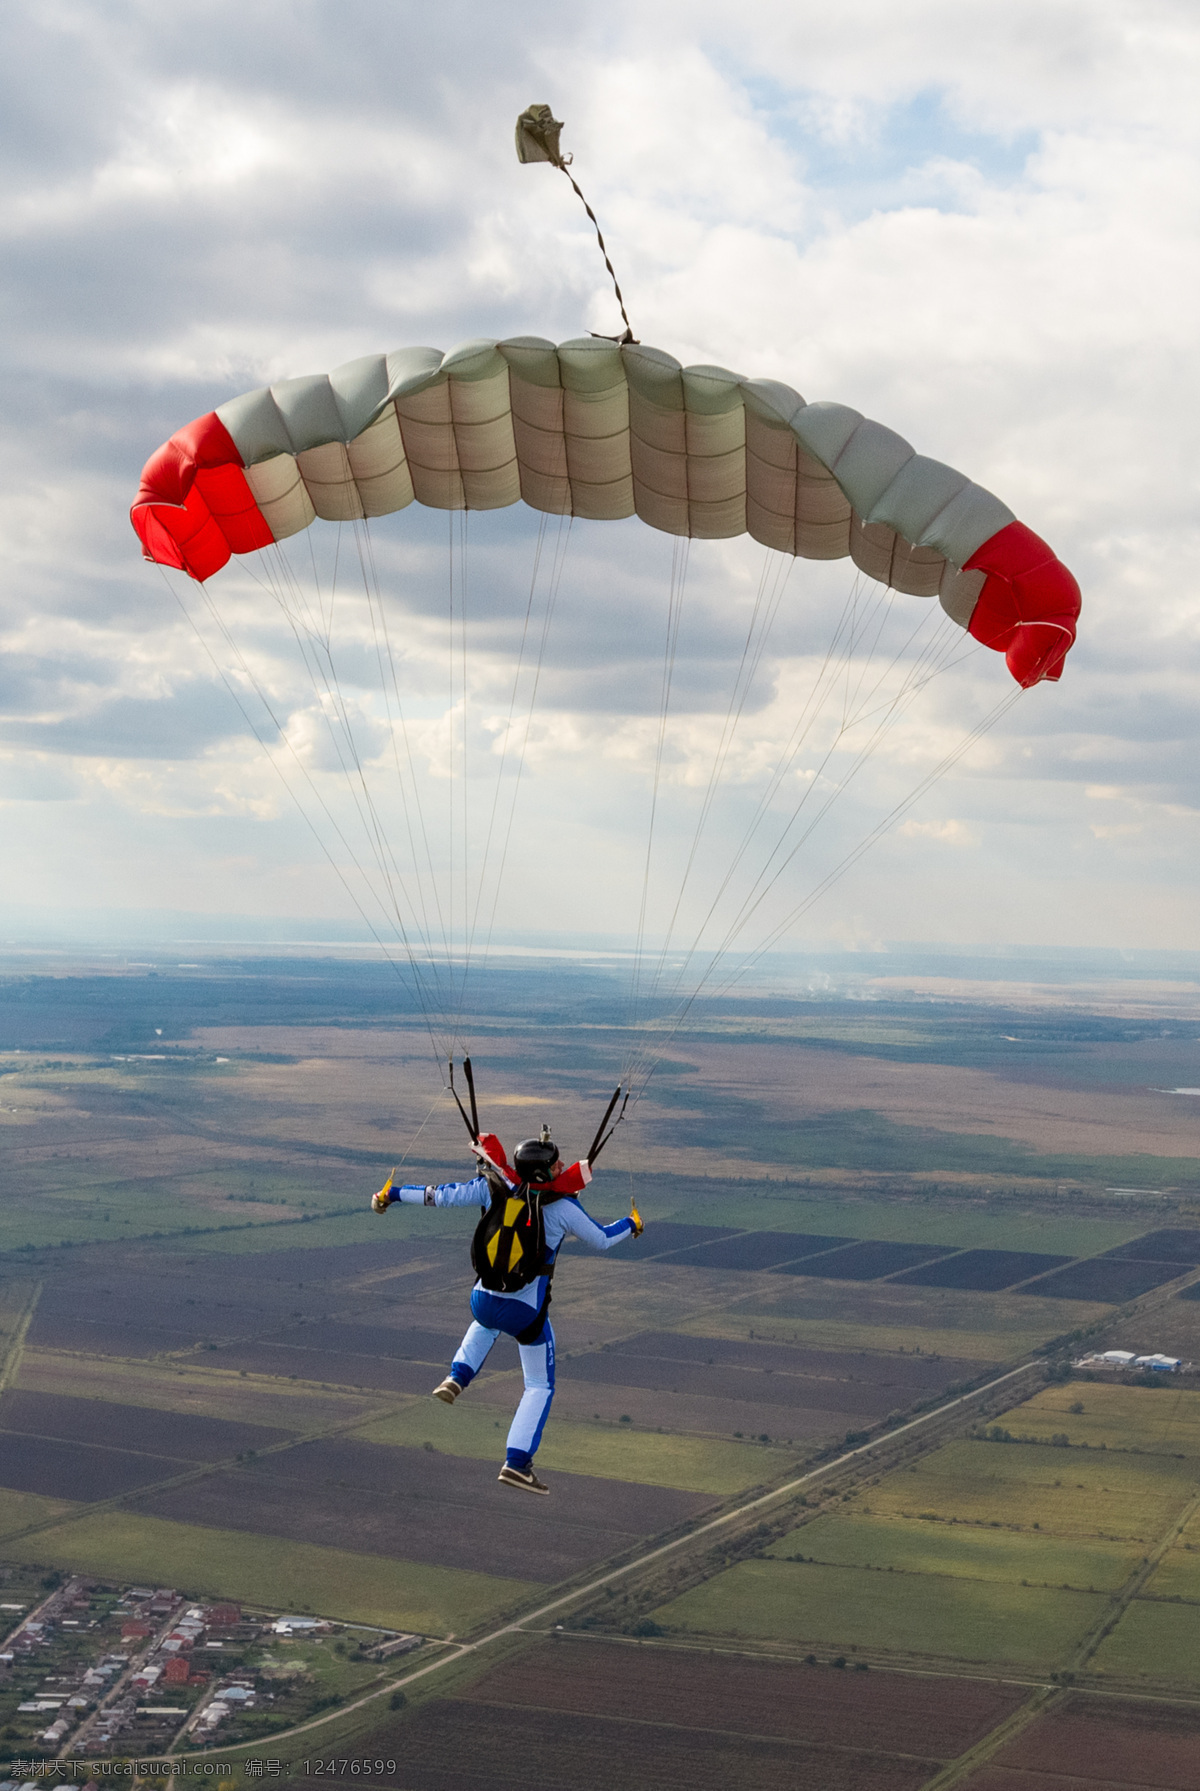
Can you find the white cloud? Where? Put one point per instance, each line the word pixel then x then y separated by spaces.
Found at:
pixel 952 833
pixel 974 226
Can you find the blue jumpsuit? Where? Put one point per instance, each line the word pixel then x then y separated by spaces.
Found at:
pixel 514 1313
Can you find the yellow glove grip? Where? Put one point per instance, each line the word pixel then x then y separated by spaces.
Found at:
pixel 383 1200
pixel 638 1224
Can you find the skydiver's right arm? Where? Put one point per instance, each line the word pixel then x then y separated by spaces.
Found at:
pixel 472 1193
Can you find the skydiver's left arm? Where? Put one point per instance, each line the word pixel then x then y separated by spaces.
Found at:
pixel 571 1217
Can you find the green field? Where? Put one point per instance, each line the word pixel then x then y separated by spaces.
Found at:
pixel 983 1327
pixel 121 1211
pixel 1161 1420
pixel 1156 1643
pixel 1065 1492
pixel 1003 1226
pixel 307 1234
pixel 268 1570
pixel 180 1387
pixel 1178 1573
pixel 962 1551
pixel 844 1608
pixel 17 1509
pixel 611 1452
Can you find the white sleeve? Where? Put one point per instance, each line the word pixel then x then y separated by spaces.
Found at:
pixel 473 1193
pixel 568 1215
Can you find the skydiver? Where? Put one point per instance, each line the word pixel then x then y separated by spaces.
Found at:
pixel 527 1211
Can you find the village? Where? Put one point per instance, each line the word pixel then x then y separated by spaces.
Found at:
pixel 95 1670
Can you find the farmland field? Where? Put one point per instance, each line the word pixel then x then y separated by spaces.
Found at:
pixel 1068 1492
pixel 961 1551
pixel 1106 1741
pixel 361 1588
pixel 454 1745
pixel 55 1469
pixel 897 1379
pixel 940 1222
pixel 20 1508
pixel 754 1726
pixel 418 1505
pixel 847 1608
pixel 855 1385
pixel 672 1235
pixel 1174 1244
pixel 759 1697
pixel 140 1428
pixel 867 1261
pixel 1113 1278
pixel 984 1327
pixel 1161 1420
pixel 218 1308
pixel 983 1271
pixel 1154 1644
pixel 613 1452
pixel 754 1250
pixel 189 1387
pixel 1178 1573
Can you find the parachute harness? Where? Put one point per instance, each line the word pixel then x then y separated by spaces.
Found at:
pixel 537 141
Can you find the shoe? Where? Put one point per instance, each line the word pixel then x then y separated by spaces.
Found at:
pixel 449 1390
pixel 523 1477
pixel 386 1196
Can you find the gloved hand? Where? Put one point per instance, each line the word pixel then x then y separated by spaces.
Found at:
pixel 636 1220
pixel 386 1196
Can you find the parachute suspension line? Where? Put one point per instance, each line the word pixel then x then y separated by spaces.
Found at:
pixel 394 916
pixel 317 657
pixel 680 550
pixel 930 661
pixel 851 858
pixel 464 519
pixel 900 809
pixel 828 676
pixel 413 964
pixel 557 566
pixel 407 1152
pixel 772 584
pixel 539 546
pixel 390 687
pixel 318 660
pixel 450 832
pixel 329 695
pixel 767 878
pixel 461 896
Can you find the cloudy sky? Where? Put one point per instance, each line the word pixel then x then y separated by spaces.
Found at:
pixel 972 219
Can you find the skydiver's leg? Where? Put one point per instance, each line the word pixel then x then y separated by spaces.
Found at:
pixel 537 1364
pixel 472 1353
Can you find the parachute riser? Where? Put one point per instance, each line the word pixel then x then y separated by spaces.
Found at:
pixel 602 1135
pixel 470 1120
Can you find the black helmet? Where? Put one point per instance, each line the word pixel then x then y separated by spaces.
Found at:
pixel 535 1159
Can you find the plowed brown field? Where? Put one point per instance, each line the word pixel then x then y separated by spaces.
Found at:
pixel 453 1745
pixel 878 1711
pixel 1111 1742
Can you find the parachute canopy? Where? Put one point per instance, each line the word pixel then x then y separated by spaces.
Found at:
pixel 602 430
